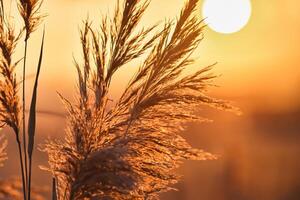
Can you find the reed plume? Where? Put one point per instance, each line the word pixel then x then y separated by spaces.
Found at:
pixel 30 12
pixel 130 149
pixel 9 99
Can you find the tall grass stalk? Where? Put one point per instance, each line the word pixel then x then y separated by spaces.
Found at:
pixel 9 99
pixel 12 110
pixel 30 12
pixel 32 116
pixel 24 108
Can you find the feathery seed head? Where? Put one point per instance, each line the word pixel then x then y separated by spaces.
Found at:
pixel 9 100
pixel 30 12
pixel 130 149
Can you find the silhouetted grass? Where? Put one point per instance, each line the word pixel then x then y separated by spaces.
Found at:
pixel 10 105
pixel 130 150
pixel 123 150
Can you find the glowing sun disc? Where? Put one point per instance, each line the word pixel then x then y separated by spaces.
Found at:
pixel 226 16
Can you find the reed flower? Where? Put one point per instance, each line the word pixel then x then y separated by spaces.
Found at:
pixel 130 149
pixel 30 12
pixel 9 99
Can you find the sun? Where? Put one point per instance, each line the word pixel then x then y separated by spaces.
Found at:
pixel 226 16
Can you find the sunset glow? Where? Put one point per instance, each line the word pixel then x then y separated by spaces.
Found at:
pixel 227 16
pixel 118 105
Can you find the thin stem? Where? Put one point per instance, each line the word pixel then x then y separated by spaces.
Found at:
pixel 29 180
pixel 54 195
pixel 22 165
pixel 23 113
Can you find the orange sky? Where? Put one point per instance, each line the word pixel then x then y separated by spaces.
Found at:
pixel 259 63
pixel 260 70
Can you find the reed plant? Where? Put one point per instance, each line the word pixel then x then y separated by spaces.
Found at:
pixel 9 98
pixel 12 109
pixel 129 149
pixel 30 13
pixel 122 149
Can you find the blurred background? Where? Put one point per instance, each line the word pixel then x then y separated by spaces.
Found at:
pixel 259 150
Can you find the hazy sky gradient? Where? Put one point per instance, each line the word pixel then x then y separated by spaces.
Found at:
pixel 260 72
pixel 260 62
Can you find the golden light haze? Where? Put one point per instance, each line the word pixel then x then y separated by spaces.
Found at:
pixel 260 72
pixel 261 62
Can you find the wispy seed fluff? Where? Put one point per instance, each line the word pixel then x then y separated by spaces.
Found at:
pixel 129 149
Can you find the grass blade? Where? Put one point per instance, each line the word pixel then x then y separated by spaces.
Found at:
pixel 32 111
pixel 32 115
